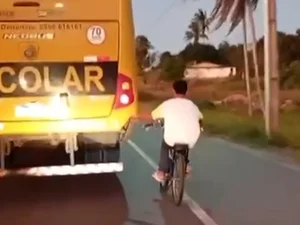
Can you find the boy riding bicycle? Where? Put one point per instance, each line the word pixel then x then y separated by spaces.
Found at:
pixel 181 125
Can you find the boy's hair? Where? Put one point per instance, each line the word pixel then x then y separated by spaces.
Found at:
pixel 180 87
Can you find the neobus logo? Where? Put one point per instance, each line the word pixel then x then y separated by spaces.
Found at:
pixel 31 36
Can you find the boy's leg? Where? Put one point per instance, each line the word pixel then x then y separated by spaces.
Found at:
pixel 188 169
pixel 163 165
pixel 188 165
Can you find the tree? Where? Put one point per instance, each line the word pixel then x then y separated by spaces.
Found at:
pixel 173 68
pixel 254 56
pixel 165 56
pixel 291 76
pixel 198 27
pixel 289 48
pixel 143 46
pixel 200 53
pixel 224 52
pixel 203 22
pixel 246 73
pixel 224 46
pixel 235 11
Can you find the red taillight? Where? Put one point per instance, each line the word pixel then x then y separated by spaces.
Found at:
pixel 124 95
pixel 103 59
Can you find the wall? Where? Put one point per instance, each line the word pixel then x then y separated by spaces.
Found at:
pixel 209 73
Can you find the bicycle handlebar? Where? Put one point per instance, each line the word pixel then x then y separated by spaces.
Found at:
pixel 159 122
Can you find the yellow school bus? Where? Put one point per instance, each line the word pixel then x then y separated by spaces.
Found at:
pixel 67 76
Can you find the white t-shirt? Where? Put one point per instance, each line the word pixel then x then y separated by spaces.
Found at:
pixel 181 120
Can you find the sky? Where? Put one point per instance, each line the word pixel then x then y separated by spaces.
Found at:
pixel 164 22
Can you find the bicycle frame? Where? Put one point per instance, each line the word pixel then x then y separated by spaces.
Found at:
pixel 178 159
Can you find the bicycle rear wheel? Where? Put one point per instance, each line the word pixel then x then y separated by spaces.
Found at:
pixel 178 179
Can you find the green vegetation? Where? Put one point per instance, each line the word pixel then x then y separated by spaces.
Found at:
pixel 143 46
pixel 232 55
pixel 220 120
pixel 198 27
pixel 230 120
pixel 172 68
pixel 291 76
pixel 251 130
pixel 229 55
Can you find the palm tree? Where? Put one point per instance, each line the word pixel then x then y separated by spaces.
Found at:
pixel 192 33
pixel 234 10
pixel 246 62
pixel 198 27
pixel 237 10
pixel 255 61
pixel 203 22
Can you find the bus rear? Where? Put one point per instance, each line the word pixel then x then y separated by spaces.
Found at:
pixel 67 74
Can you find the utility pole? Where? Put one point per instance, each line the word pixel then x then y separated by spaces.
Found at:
pixel 267 68
pixel 272 98
pixel 246 63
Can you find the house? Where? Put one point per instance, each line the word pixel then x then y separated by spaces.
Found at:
pixel 206 70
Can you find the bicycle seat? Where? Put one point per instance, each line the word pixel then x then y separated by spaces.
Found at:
pixel 181 147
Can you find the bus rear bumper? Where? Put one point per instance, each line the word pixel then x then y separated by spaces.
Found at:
pixel 66 170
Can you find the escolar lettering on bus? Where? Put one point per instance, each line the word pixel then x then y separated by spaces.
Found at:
pixel 38 36
pixel 92 74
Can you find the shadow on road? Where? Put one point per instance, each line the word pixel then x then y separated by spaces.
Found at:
pixel 76 200
pixel 35 155
pixel 66 200
pixel 177 215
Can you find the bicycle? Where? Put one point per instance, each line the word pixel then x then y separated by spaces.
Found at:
pixel 175 180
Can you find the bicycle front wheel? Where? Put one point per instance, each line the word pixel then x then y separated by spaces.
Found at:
pixel 178 179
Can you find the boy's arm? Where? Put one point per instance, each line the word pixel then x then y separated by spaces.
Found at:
pixel 143 116
pixel 155 114
pixel 200 118
pixel 201 123
pixel 158 112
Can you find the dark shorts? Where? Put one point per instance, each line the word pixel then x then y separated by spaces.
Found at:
pixel 164 160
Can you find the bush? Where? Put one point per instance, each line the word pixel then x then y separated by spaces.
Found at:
pixel 201 53
pixel 290 77
pixel 279 140
pixel 173 68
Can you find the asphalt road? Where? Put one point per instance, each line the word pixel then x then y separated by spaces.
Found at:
pixel 229 183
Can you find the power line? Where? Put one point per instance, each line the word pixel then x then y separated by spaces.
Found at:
pixel 163 14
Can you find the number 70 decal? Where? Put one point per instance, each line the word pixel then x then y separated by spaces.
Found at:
pixel 96 35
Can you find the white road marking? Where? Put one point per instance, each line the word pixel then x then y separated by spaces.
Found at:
pixel 193 205
pixel 138 211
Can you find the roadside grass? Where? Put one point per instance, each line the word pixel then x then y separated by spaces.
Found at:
pixel 251 130
pixel 235 125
